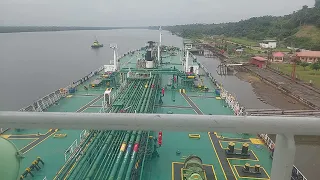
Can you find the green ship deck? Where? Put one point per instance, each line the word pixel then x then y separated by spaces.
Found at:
pixel 102 154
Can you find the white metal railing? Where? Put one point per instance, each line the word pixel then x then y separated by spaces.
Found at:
pixel 83 135
pixel 45 178
pixel 231 101
pixel 50 99
pixel 267 140
pixel 74 147
pixel 228 97
pixel 70 151
pixel 296 174
pixel 119 90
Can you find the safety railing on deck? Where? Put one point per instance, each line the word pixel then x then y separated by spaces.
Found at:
pixel 238 110
pixel 70 151
pixel 228 98
pixel 296 174
pixel 50 99
pixel 74 147
pixel 44 103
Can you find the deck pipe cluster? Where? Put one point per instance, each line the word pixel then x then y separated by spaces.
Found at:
pixel 99 159
pixel 86 157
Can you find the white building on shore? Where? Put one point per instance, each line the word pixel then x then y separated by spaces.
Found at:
pixel 268 44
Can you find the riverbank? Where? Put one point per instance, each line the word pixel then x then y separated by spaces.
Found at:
pixel 269 94
pixel 253 93
pixel 304 74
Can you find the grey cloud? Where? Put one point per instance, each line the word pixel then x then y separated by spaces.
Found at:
pixel 139 12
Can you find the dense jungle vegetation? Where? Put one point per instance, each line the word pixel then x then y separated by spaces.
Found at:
pixel 300 29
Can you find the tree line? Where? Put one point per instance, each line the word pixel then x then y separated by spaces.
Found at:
pixel 281 28
pixel 15 29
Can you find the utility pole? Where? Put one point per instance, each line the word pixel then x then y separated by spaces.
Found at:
pixel 293 72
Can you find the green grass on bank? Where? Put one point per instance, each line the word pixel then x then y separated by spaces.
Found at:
pixel 304 75
pixel 243 41
pixel 311 32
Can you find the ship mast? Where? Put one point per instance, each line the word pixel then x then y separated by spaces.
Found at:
pixel 114 48
pixel 159 59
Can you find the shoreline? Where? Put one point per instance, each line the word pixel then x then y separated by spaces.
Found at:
pixel 270 95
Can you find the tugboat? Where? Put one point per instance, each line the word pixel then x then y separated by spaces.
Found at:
pixel 96 44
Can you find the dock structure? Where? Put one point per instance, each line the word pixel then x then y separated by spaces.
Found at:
pixel 299 90
pixel 306 94
pixel 280 112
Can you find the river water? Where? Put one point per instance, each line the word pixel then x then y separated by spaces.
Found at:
pixel 35 64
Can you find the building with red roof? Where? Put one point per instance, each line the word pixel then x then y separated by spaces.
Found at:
pixel 259 61
pixel 308 56
pixel 277 57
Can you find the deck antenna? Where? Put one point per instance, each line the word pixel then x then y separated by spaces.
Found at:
pixel 159 59
pixel 114 47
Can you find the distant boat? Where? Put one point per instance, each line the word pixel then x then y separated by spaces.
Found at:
pixel 96 44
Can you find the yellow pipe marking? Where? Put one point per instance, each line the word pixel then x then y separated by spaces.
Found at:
pixel 220 145
pixel 22 135
pixel 69 171
pixel 246 177
pixel 255 155
pixel 183 163
pixel 39 142
pixel 256 141
pixel 223 137
pixel 224 173
pixel 194 136
pixel 214 172
pixel 232 170
pixel 192 102
pixel 172 171
pixel 21 138
pixel 35 139
pixel 5 136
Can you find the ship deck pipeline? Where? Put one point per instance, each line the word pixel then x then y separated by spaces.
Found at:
pixel 116 154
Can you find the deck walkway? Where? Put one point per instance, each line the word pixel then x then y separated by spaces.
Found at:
pixel 192 104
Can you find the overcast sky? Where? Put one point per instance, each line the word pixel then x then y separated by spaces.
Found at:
pixel 139 12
